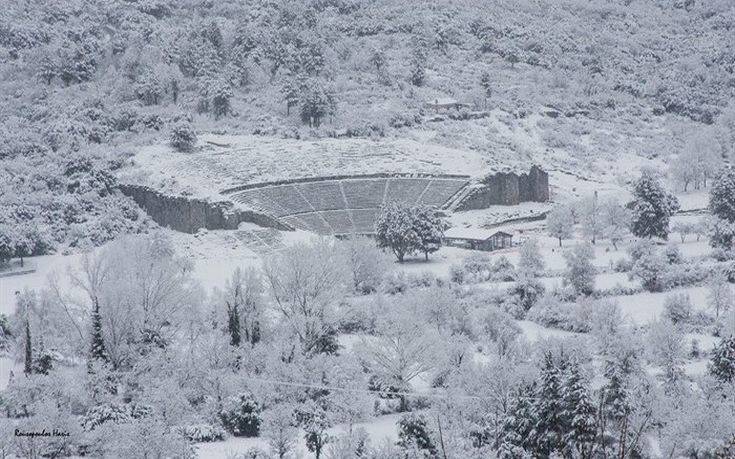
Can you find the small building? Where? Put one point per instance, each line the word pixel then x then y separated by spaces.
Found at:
pixel 445 103
pixel 478 239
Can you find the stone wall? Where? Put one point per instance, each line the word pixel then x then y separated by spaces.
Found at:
pixel 188 215
pixel 508 188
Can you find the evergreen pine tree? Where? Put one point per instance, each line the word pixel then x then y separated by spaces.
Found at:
pixel 722 363
pixel 548 428
pixel 651 208
pixel 97 349
pixel 615 393
pixel 233 323
pixel 28 364
pixel 515 436
pixel 579 416
pixel 722 206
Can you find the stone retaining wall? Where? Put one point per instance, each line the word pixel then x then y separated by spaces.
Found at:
pixel 188 215
pixel 508 188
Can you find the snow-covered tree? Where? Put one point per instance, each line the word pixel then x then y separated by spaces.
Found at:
pixel 720 295
pixel 579 414
pixel 366 263
pixel 560 222
pixel 306 281
pixel 97 348
pixel 183 137
pixel 317 101
pixel 648 266
pixel 429 227
pixel 143 292
pixel 530 261
pixel 590 217
pixel 516 438
pixel 395 230
pixel 699 160
pixel 548 431
pixel 414 434
pixel 615 220
pixel 722 363
pixel 279 429
pixel 244 303
pixel 651 208
pixel 314 420
pixel 722 206
pixel 401 351
pixel 666 349
pixel 580 272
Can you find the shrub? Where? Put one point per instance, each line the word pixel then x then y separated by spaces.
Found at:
pixel 623 265
pixel 498 327
pixel 183 137
pixel 102 414
pixel 198 433
pixel 503 270
pixel 394 283
pixel 649 267
pixel 414 433
pixel 683 275
pixel 528 290
pixel 678 307
pixel 551 312
pixel 457 274
pixel 423 279
pixel 241 415
pixel 673 254
pixel 478 265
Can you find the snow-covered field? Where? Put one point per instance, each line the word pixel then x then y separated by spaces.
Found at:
pixel 382 428
pixel 222 162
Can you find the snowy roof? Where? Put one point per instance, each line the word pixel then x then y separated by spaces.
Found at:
pixel 473 233
pixel 443 101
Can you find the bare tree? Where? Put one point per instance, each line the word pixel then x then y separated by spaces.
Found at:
pixel 306 280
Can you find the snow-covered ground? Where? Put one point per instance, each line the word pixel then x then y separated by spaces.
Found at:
pixel 379 429
pixel 644 308
pixel 224 161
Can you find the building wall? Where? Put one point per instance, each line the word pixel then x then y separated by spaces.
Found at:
pixel 508 188
pixel 189 215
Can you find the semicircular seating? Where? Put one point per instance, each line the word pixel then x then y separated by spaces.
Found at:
pixel 347 205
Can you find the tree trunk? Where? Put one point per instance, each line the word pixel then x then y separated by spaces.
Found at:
pixel 559 242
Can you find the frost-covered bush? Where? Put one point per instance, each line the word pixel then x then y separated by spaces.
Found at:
pixel 457 274
pixel 198 433
pixel 549 311
pixel 394 283
pixel 580 272
pixel 678 307
pixel 477 266
pixel 367 264
pixel 673 254
pixel 684 275
pixel 183 137
pixel 240 415
pixel 503 270
pixel 106 413
pixel 618 290
pixel 648 267
pixel 424 279
pixel 623 265
pixel 497 327
pixel 528 290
